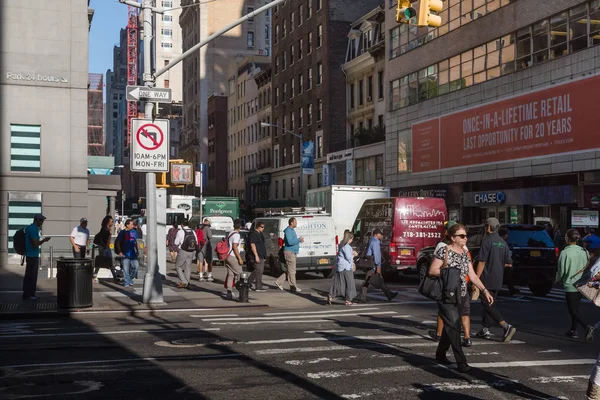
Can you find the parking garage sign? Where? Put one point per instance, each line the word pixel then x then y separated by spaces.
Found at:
pixel 150 145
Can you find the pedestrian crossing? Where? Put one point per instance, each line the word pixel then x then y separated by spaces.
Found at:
pixel 359 353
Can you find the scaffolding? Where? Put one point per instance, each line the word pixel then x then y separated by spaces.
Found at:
pixel 95 115
pixel 132 65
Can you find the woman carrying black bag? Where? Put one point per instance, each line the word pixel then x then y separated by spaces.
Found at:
pixel 454 256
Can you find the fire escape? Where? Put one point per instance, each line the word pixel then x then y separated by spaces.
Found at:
pixel 132 66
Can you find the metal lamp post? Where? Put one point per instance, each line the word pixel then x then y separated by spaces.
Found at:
pixel 267 125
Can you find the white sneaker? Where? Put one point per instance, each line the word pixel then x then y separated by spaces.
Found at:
pixel 210 279
pixel 297 290
pixel 278 285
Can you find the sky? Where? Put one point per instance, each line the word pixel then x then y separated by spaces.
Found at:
pixel 109 17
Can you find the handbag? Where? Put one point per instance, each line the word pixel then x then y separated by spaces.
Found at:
pixel 431 286
pixel 586 286
pixel 281 259
pixel 451 283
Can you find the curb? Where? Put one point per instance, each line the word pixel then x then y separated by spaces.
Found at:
pixel 67 313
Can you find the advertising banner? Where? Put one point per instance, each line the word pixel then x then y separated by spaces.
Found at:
pixel 584 218
pixel 308 158
pixel 547 122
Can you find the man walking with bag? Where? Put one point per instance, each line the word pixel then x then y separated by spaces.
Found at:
pixel 256 254
pixel 187 242
pixel 374 276
pixel 493 257
pixel 234 260
pixel 291 248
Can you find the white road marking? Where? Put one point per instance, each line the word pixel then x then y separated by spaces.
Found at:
pixel 402 368
pixel 329 331
pixel 295 317
pixel 110 333
pixel 123 360
pixel 157 310
pixel 401 347
pixel 549 351
pixel 429 322
pixel 333 339
pixel 323 312
pixel 559 379
pixel 214 316
pixel 272 322
pixel 319 360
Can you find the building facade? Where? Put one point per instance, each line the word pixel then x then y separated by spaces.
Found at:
pixel 95 115
pixel 309 95
pixel 48 108
pixel 167 46
pixel 116 81
pixel 206 72
pixel 489 110
pixel 216 174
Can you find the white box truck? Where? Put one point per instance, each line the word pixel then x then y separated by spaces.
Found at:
pixel 343 202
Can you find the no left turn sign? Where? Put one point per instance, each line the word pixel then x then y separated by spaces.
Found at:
pixel 150 145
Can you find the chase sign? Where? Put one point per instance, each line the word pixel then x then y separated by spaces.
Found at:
pixel 489 198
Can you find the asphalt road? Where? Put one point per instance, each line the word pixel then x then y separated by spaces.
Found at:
pixel 378 350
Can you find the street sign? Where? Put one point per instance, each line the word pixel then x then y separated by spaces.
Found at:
pixel 150 145
pixel 157 95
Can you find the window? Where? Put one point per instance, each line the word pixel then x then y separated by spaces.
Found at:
pixel 370 88
pixel 300 51
pixel 276 156
pixel 283 188
pixel 166 32
pixel 380 121
pixel 276 96
pixel 292 186
pixel 284 159
pixel 300 14
pixel 25 148
pixel 578 28
pixel 267 33
pixel 319 4
pixel 351 95
pixel 300 117
pixel 167 18
pixel 284 61
pixel 320 153
pixel 292 125
pixel 524 48
pixel 309 78
pixel 250 40
pixel 361 92
pixel 558 41
pixel 292 21
pixel 319 36
pixel 319 180
pixel 284 28
pixel 167 4
pixel 319 73
pixel 20 214
pixel 300 83
pixel 319 110
pixel 166 84
pixel 308 9
pixel 367 39
pixel 293 149
pixel 309 114
pixel 248 11
pixel 309 43
pixel 292 55
pixel 166 45
pixel 540 42
pixel 380 83
pixel 292 89
pixel 276 65
pixel 276 33
pixel 276 189
pixel 284 93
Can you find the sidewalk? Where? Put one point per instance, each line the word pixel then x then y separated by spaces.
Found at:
pixel 110 297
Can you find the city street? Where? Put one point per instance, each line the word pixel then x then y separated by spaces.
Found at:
pixel 377 350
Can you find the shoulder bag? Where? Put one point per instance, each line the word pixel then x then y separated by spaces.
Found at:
pixel 363 261
pixel 586 285
pixel 431 286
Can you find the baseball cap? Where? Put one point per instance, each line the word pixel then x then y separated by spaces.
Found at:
pixel 207 221
pixel 377 231
pixel 82 220
pixel 39 217
pixel 450 224
pixel 493 223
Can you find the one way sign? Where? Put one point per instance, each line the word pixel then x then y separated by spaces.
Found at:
pixel 158 95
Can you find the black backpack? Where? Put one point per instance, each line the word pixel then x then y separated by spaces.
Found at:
pixel 19 239
pixel 189 241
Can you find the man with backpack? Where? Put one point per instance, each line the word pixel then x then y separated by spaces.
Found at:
pixel 126 247
pixel 229 247
pixel 27 242
pixel 187 242
pixel 205 253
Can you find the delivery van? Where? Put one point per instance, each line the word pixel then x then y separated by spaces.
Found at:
pixel 317 252
pixel 408 224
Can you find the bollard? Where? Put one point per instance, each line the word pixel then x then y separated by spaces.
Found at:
pixel 51 262
pixel 243 287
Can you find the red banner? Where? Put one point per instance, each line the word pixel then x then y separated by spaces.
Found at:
pixel 561 119
pixel 426 146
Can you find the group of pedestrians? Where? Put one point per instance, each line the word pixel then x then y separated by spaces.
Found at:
pixel 187 245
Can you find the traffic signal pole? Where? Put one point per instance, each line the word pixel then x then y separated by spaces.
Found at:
pixel 153 292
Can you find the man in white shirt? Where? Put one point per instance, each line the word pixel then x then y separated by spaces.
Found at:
pixel 234 260
pixel 187 242
pixel 80 239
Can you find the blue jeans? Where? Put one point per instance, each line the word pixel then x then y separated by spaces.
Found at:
pixel 129 268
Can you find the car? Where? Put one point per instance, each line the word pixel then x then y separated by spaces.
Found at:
pixel 534 255
pixel 317 252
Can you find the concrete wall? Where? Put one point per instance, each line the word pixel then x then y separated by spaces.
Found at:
pixel 46 38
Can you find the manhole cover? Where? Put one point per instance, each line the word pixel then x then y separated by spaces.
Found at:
pixel 9 306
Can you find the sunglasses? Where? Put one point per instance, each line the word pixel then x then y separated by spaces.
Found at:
pixel 463 236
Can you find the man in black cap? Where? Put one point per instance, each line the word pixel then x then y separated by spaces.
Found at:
pixel 32 256
pixel 494 256
pixel 374 276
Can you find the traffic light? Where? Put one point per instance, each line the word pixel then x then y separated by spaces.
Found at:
pixel 405 12
pixel 425 17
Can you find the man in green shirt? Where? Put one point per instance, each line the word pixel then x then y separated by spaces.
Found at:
pixel 571 263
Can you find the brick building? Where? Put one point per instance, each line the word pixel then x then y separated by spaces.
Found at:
pixel 308 84
pixel 489 110
pixel 216 174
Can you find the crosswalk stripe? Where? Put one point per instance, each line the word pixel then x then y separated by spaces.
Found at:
pixel 328 315
pixel 355 309
pixel 368 346
pixel 403 368
pixel 335 339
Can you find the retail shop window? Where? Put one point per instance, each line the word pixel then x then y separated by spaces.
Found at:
pixel 25 148
pixel 20 214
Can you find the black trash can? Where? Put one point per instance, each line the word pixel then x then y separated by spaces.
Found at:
pixel 74 282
